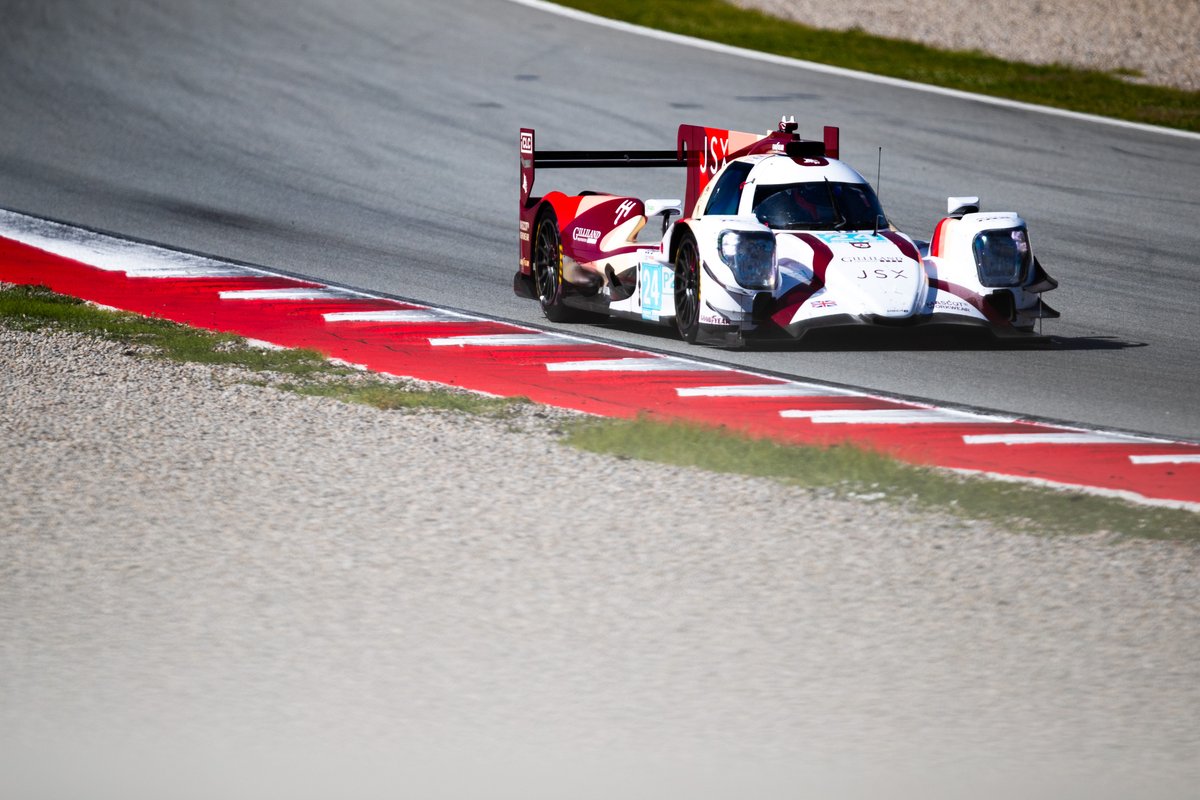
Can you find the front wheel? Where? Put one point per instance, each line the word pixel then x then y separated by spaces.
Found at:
pixel 687 289
pixel 547 270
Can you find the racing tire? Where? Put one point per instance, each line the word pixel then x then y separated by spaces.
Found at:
pixel 687 289
pixel 547 270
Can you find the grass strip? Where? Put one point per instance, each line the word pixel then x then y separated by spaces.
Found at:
pixel 391 396
pixel 36 307
pixel 847 471
pixel 1109 94
pixel 308 372
pixel 863 475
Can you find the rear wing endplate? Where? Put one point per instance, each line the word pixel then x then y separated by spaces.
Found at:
pixel 708 149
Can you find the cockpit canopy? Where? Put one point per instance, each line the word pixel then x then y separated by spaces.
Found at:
pixel 821 205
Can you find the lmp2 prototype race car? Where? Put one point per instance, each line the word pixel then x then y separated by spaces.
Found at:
pixel 775 237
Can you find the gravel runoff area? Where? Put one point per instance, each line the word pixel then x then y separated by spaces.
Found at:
pixel 1159 38
pixel 212 589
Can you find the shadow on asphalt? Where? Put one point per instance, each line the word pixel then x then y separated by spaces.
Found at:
pixel 892 339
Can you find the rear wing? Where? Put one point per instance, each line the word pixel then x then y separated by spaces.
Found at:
pixel 531 159
pixel 703 151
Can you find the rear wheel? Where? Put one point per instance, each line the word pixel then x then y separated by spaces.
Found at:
pixel 547 270
pixel 687 289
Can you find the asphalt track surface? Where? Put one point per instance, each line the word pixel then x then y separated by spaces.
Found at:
pixel 374 144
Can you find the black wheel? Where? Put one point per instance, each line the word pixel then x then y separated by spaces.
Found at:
pixel 547 270
pixel 687 288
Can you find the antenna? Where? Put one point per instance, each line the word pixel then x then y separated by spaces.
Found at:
pixel 878 179
pixel 879 171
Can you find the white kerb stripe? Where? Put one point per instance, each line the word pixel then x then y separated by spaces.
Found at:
pixel 1052 438
pixel 398 315
pixel 184 271
pixel 630 365
pixel 764 390
pixel 507 340
pixel 1176 458
pixel 323 293
pixel 893 416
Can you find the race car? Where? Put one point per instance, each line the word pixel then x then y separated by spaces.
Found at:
pixel 774 237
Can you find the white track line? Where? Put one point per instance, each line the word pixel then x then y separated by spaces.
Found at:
pixel 766 390
pixel 401 316
pixel 1055 438
pixel 631 365
pixel 894 416
pixel 507 340
pixel 812 66
pixel 1177 458
pixel 321 293
pixel 111 254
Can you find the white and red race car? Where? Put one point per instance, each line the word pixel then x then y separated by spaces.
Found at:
pixel 775 237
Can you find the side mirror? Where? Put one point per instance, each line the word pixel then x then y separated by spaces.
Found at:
pixel 657 207
pixel 958 206
pixel 664 209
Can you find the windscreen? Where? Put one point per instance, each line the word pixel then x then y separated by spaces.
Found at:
pixel 818 206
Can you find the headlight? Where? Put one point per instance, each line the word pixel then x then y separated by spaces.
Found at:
pixel 751 256
pixel 1002 257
